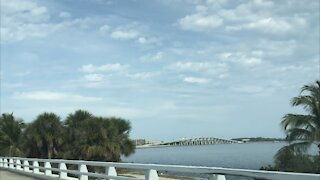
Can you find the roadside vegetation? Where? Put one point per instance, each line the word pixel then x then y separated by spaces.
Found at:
pixel 80 136
pixel 302 131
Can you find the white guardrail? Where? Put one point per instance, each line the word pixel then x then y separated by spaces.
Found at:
pixel 45 169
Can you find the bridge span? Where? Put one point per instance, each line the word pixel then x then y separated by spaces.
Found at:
pixel 200 141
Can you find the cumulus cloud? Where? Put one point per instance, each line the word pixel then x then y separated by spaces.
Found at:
pixel 26 11
pixel 97 74
pixel 89 68
pixel 104 29
pixel 276 48
pixel 29 19
pixel 149 41
pixel 64 14
pixel 268 25
pixel 195 80
pixel 296 68
pixel 242 58
pixel 250 15
pixel 209 67
pixel 200 22
pixel 94 77
pixel 142 75
pixel 18 33
pixel 250 89
pixel 136 32
pixel 152 57
pixel 53 96
pixel 124 34
pixel 21 19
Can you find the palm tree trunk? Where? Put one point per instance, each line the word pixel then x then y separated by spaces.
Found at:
pixel 50 147
pixel 49 154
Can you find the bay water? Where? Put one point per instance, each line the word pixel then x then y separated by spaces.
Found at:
pixel 243 156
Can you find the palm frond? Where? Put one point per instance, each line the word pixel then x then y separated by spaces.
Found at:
pixel 314 89
pixel 297 120
pixel 307 102
pixel 294 148
pixel 299 134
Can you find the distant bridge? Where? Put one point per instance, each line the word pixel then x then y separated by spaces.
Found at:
pixel 200 141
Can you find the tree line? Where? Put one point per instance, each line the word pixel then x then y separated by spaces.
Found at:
pixel 80 136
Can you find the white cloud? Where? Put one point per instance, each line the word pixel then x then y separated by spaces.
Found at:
pixel 267 25
pixel 199 66
pixel 124 34
pixel 152 57
pixel 27 11
pixel 142 75
pixel 274 48
pixel 255 90
pixel 25 19
pixel 149 41
pixel 258 15
pixel 251 60
pixel 94 77
pixel 263 3
pixel 195 80
pixel 18 33
pixel 104 29
pixel 200 22
pixel 248 89
pixel 211 69
pixel 89 68
pixel 64 14
pixel 53 96
pixel 21 19
pixel 295 68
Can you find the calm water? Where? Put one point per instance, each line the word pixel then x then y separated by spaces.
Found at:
pixel 248 156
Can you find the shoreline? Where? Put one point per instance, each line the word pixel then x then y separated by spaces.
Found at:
pixel 161 176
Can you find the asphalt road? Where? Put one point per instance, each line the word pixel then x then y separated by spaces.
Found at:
pixel 6 175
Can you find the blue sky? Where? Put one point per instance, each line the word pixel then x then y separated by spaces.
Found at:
pixel 174 68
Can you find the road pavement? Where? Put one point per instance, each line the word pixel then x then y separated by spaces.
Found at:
pixel 7 175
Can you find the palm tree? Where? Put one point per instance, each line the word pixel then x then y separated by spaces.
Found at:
pixel 96 138
pixel 10 135
pixel 74 134
pixel 75 119
pixel 106 139
pixel 44 137
pixel 303 130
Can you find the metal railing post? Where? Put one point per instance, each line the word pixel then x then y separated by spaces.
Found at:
pixel 11 163
pixel 111 171
pixel 5 163
pixel 35 165
pixel 63 175
pixel 151 175
pixel 1 162
pixel 18 165
pixel 217 177
pixel 47 170
pixel 26 167
pixel 83 169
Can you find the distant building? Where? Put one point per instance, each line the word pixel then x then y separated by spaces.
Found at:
pixel 139 142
